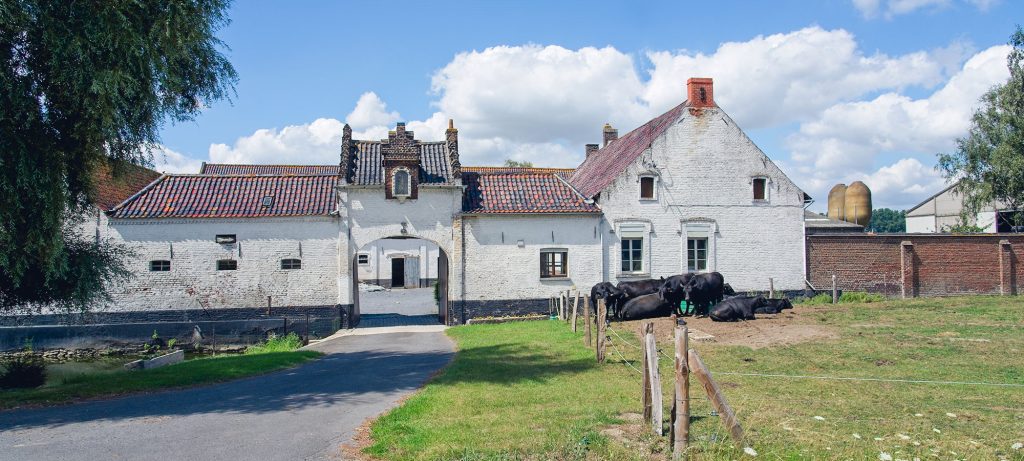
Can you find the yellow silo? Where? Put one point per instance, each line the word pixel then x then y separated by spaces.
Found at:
pixel 836 201
pixel 858 204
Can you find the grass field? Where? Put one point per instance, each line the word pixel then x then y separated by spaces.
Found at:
pixel 107 381
pixel 532 391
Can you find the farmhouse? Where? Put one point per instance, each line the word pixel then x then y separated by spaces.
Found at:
pixel 686 191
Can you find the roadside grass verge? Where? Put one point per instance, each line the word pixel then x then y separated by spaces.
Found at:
pixel 532 391
pixel 206 370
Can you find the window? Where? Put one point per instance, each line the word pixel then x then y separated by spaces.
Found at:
pixel 289 264
pixel 554 263
pixel 160 266
pixel 225 238
pixel 696 254
pixel 268 201
pixel 647 187
pixel 760 188
pixel 401 184
pixel 632 254
pixel 227 265
pixel 363 259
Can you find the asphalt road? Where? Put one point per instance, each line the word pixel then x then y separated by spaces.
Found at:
pixel 302 413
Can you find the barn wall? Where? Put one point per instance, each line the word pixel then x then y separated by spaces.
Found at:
pixel 917 264
pixel 503 278
pixel 705 164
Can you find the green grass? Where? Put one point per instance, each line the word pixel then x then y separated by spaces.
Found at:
pixel 94 382
pixel 532 391
pixel 286 343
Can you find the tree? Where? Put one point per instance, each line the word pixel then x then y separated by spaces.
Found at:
pixel 888 220
pixel 988 163
pixel 84 84
pixel 518 164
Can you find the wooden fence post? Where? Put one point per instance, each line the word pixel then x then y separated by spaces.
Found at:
pixel 657 415
pixel 586 317
pixel 602 310
pixel 771 287
pixel 575 310
pixel 700 370
pixel 835 291
pixel 681 408
pixel 645 381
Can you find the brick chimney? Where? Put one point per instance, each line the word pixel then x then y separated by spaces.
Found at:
pixel 591 148
pixel 451 137
pixel 700 92
pixel 610 134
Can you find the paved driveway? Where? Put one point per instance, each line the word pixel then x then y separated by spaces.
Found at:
pixel 302 413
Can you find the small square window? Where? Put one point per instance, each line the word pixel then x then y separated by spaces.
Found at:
pixel 632 254
pixel 554 263
pixel 647 187
pixel 291 264
pixel 160 266
pixel 225 238
pixel 696 254
pixel 760 188
pixel 227 265
pixel 268 201
pixel 363 259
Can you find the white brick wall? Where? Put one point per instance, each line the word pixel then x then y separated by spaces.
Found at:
pixel 195 282
pixel 502 270
pixel 705 164
pixel 380 253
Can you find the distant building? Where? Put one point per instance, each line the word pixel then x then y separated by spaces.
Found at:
pixel 942 211
pixel 815 223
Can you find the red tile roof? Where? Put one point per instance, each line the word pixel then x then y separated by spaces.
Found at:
pixel 603 166
pixel 282 170
pixel 227 196
pixel 495 190
pixel 110 190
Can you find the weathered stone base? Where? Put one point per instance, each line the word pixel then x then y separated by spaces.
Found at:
pixel 499 308
pixel 241 325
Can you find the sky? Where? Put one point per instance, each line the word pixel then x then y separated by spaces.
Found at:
pixel 835 91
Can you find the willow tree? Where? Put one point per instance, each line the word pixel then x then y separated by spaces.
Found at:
pixel 82 84
pixel 988 163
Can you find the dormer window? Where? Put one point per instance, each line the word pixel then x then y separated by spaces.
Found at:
pixel 647 188
pixel 400 184
pixel 760 186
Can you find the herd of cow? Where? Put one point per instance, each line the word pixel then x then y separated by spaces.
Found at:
pixel 706 294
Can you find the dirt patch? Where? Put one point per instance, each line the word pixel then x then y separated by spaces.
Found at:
pixel 794 327
pixel 635 435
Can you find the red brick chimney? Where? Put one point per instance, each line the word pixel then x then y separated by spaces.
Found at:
pixel 700 92
pixel 591 148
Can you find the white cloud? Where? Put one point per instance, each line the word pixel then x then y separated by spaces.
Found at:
pixel 168 161
pixel 892 8
pixel 315 142
pixel 846 138
pixel 370 111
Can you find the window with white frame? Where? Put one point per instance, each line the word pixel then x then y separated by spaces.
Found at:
pixel 400 187
pixel 760 186
pixel 554 263
pixel 363 259
pixel 631 243
pixel 160 265
pixel 697 254
pixel 291 264
pixel 648 188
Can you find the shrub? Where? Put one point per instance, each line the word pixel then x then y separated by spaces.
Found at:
pixel 23 373
pixel 276 344
pixel 860 297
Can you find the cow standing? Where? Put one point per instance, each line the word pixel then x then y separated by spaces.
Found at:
pixel 609 293
pixel 704 290
pixel 672 292
pixel 635 289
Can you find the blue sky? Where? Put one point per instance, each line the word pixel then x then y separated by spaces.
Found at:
pixel 838 91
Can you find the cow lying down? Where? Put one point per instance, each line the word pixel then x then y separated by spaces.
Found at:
pixel 744 308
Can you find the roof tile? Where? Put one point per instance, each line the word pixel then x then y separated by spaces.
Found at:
pixel 491 190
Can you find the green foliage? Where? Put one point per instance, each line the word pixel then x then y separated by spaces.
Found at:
pixel 87 85
pixel 961 228
pixel 24 372
pixel 518 164
pixel 277 344
pixel 171 343
pixel 988 163
pixel 846 297
pixel 888 220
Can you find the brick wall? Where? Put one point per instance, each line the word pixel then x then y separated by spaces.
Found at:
pixel 916 264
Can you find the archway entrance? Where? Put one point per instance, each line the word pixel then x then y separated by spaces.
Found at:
pixel 400 281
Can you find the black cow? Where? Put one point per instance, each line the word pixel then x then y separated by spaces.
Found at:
pixel 648 306
pixel 630 290
pixel 704 290
pixel 672 291
pixel 727 290
pixel 609 293
pixel 737 308
pixel 774 306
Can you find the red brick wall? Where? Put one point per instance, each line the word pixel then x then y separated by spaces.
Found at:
pixel 936 265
